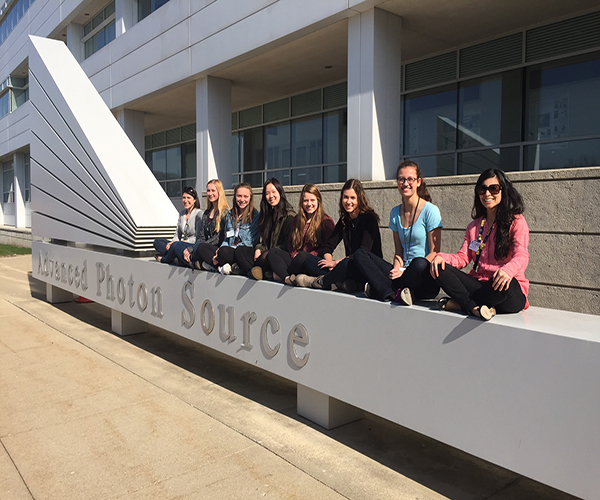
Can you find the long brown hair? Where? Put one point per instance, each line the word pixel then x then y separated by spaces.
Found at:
pixel 314 233
pixel 222 204
pixel 422 189
pixel 247 215
pixel 361 198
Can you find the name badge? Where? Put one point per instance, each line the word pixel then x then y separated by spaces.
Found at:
pixel 474 245
pixel 230 233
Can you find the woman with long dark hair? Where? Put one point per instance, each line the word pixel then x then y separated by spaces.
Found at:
pixel 497 243
pixel 188 229
pixel 213 226
pixel 275 222
pixel 417 228
pixel 310 229
pixel 357 227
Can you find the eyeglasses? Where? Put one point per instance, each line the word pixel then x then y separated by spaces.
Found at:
pixel 494 189
pixel 409 180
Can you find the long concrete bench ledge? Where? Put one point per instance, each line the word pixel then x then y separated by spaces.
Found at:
pixel 522 390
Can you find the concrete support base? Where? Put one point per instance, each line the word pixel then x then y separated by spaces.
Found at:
pixel 56 295
pixel 122 324
pixel 324 410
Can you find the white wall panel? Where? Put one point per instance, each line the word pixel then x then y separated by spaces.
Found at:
pixel 72 123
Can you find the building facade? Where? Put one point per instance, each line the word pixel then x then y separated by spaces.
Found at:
pixel 314 91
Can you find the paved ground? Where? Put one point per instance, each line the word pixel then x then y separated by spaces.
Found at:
pixel 85 414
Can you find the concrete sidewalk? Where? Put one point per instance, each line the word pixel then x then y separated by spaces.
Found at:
pixel 85 414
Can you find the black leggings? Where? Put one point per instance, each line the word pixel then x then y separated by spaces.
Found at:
pixel 345 269
pixel 469 292
pixel 204 253
pixel 416 277
pixel 278 261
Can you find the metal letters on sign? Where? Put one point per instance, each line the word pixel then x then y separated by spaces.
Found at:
pixel 103 282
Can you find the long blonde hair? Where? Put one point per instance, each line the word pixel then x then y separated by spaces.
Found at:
pixel 314 233
pixel 222 205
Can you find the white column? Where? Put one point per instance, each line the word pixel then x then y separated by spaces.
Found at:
pixel 125 15
pixel 374 78
pixel 324 410
pixel 213 131
pixel 19 187
pixel 132 123
pixel 123 324
pixel 74 44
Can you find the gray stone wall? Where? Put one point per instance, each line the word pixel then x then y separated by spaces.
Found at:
pixel 562 212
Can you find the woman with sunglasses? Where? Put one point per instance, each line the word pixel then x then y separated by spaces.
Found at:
pixel 188 230
pixel 357 227
pixel 496 242
pixel 241 234
pixel 213 225
pixel 416 225
pixel 310 229
pixel 275 223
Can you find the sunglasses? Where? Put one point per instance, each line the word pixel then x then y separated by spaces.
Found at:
pixel 492 188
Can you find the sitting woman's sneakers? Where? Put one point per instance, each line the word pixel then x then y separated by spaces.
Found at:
pixel 484 312
pixel 404 296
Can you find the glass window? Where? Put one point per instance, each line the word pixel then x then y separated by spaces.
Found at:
pixel 14 16
pixel 95 34
pixel 27 178
pixel 5 104
pixel 159 164
pixel 585 153
pixel 335 173
pixel 277 144
pixel 489 110
pixel 312 175
pixel 430 121
pixel 147 7
pixel 563 100
pixel 307 141
pixel 188 156
pixel 8 179
pixel 335 136
pixel 475 162
pixel 235 152
pixel 252 149
pixel 174 163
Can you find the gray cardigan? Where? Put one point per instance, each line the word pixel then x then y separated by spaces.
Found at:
pixel 189 230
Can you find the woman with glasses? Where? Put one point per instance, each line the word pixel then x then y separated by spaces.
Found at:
pixel 416 225
pixel 496 242
pixel 189 226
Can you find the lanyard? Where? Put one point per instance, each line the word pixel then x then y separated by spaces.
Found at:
pixel 481 244
pixel 410 232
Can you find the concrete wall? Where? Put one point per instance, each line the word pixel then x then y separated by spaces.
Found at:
pixel 561 210
pixel 15 236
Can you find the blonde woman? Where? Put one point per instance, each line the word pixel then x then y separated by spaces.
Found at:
pixel 213 223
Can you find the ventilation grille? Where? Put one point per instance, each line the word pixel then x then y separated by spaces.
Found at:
pixel 572 35
pixel 188 133
pixel 310 102
pixel 251 117
pixel 174 136
pixel 438 69
pixel 335 96
pixel 493 55
pixel 277 110
pixel 158 140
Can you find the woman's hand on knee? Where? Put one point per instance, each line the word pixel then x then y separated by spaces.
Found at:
pixel 437 263
pixel 501 280
pixel 256 254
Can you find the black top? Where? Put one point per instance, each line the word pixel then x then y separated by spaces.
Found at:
pixel 362 232
pixel 209 234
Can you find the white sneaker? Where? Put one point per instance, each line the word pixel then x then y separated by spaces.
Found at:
pixel 406 296
pixel 225 269
pixel 369 292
